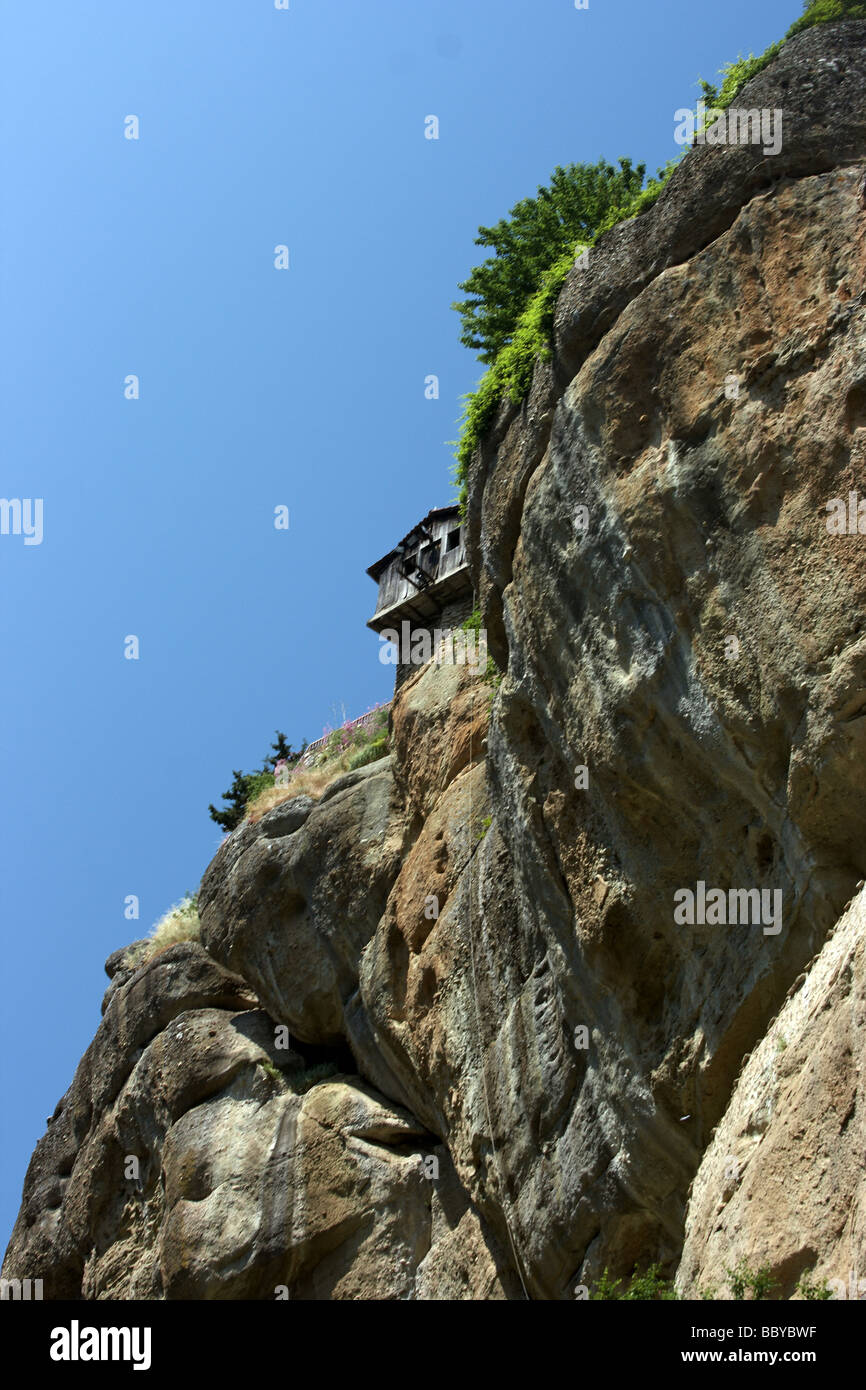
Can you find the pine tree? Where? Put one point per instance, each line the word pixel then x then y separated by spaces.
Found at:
pixel 246 785
pixel 232 815
pixel 281 750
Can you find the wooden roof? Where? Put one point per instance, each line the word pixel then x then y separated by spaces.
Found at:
pixel 435 514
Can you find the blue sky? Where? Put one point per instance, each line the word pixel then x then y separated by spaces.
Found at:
pixel 258 388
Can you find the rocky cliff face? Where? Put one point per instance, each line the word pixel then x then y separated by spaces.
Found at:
pixel 537 1070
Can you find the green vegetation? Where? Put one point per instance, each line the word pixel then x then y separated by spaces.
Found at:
pixel 807 1288
pixel 369 752
pixel 507 316
pixel 303 1081
pixel 300 1080
pixel 827 12
pixel 536 232
pixel 650 1286
pixel 492 674
pixel 353 741
pixel 744 1280
pixel 352 745
pixel 483 829
pixel 270 1070
pixel 246 786
pixel 736 75
pixel 510 316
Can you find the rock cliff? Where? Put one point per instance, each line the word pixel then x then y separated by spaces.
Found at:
pixel 535 1070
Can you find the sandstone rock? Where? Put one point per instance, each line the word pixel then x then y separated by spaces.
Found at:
pixel 317 1196
pixel 291 909
pixel 118 971
pixel 74 1186
pixel 439 719
pixel 115 966
pixel 492 934
pixel 782 1182
pixel 192 1159
pixel 738 772
pixel 817 80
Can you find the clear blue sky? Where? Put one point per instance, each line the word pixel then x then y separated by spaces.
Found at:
pixel 259 387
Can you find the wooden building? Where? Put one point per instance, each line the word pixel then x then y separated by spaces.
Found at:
pixel 425 579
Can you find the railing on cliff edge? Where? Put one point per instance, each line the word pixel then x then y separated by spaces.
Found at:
pixel 318 744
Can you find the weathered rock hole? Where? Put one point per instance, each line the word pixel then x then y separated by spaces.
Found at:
pixel 855 407
pixel 764 854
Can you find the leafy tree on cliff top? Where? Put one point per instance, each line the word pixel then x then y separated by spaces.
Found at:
pixel 578 201
pixel 508 315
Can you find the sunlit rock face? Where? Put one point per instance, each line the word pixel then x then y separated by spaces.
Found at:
pixel 781 1182
pixel 195 1157
pixel 507 1007
pixel 654 536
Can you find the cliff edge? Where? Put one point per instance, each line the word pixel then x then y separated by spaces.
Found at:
pixel 446 1033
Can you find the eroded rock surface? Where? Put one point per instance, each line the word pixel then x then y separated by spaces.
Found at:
pixel 187 1160
pixel 483 937
pixel 783 1181
pixel 290 901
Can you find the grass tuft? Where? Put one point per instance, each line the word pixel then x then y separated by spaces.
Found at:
pixel 180 923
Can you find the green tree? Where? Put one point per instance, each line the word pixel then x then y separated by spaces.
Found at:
pixel 578 201
pixel 743 1280
pixel 247 785
pixel 282 750
pixel 232 815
